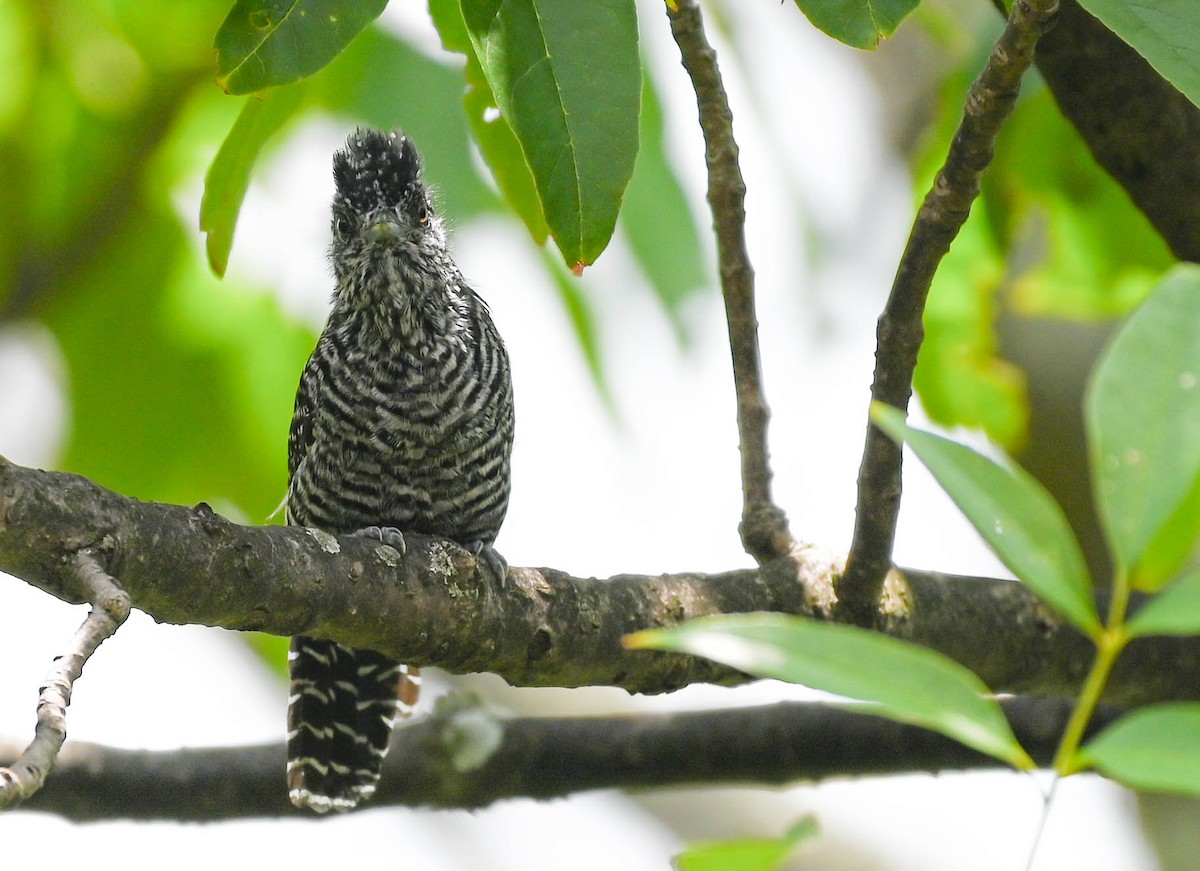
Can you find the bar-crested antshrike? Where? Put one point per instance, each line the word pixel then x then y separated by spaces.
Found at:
pixel 403 422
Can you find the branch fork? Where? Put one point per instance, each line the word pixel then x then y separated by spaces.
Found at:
pixel 900 329
pixel 110 608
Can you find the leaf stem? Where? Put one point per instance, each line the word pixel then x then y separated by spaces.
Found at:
pixel 1109 645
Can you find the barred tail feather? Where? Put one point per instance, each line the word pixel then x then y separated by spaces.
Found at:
pixel 340 714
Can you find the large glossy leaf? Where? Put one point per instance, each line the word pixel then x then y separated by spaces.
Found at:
pixel 497 143
pixel 1143 419
pixel 567 78
pixel 902 681
pixel 1165 32
pixel 264 43
pixel 1013 513
pixel 1174 611
pixel 502 153
pixel 228 177
pixel 745 854
pixel 1155 748
pixel 860 23
pixel 655 216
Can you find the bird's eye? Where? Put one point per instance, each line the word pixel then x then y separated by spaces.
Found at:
pixel 340 225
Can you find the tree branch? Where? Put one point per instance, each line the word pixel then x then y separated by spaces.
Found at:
pixel 463 756
pixel 436 605
pixel 900 330
pixel 110 607
pixel 764 526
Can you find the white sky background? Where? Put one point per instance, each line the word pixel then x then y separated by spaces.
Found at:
pixel 656 490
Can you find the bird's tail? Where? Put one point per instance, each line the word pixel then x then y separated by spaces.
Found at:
pixel 340 713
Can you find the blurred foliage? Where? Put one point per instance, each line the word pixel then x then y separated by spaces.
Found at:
pixel 1051 235
pixel 746 854
pixel 179 385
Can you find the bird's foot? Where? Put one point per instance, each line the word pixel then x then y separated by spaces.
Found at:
pixel 493 560
pixel 389 535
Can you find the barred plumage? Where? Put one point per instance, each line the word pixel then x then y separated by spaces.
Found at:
pixel 403 420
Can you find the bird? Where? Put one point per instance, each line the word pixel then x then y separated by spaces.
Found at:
pixel 403 422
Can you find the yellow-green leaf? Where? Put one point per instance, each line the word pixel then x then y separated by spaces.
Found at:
pixel 902 681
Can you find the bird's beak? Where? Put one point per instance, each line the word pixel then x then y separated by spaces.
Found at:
pixel 384 229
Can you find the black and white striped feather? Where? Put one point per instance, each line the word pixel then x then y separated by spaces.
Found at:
pixel 404 419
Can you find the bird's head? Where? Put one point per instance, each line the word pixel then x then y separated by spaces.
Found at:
pixel 385 233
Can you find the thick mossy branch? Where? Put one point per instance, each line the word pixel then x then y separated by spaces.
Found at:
pixel 541 627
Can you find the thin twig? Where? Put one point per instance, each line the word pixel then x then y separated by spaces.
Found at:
pixel 110 607
pixel 465 756
pixel 764 527
pixel 900 331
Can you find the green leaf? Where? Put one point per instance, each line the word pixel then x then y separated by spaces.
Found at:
pixel 271 649
pixel 1174 611
pixel 860 23
pixel 1143 419
pixel 1154 748
pixel 452 30
pixel 1013 513
pixel 902 681
pixel 567 78
pixel 265 43
pixel 502 153
pixel 1164 32
pixel 497 143
pixel 228 177
pixel 745 854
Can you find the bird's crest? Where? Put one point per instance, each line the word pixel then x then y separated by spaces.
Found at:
pixel 376 168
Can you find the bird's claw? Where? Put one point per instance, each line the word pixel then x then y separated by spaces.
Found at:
pixel 493 560
pixel 389 535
